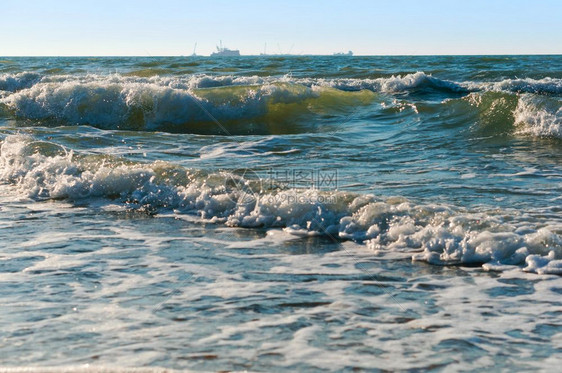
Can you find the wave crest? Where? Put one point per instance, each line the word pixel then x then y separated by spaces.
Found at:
pixel 16 82
pixel 175 106
pixel 547 85
pixel 193 104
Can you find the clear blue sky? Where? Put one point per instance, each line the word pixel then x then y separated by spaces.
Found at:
pixel 171 27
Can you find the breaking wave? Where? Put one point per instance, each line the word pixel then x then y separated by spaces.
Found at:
pixel 252 104
pixel 537 117
pixel 116 104
pixel 16 82
pixel 545 86
pixel 437 234
pixel 498 113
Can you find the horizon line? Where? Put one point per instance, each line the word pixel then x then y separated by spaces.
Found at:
pixel 288 55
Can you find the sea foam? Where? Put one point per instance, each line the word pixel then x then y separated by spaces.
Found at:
pixel 437 234
pixel 539 117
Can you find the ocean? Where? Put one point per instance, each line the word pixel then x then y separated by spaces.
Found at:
pixel 281 213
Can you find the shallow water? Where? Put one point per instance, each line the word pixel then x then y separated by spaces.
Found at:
pixel 281 213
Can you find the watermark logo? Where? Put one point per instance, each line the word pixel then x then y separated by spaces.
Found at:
pixel 244 186
pixel 306 178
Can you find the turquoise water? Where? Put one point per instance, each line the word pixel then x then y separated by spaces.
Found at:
pixel 281 213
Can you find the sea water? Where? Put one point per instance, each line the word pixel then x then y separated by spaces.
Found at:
pixel 293 213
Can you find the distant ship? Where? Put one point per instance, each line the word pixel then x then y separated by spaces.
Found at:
pixel 350 53
pixel 225 52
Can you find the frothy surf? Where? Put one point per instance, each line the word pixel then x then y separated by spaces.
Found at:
pixel 536 117
pixel 438 234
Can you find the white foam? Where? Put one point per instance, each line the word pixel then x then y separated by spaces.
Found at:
pixel 432 233
pixel 392 84
pixel 539 117
pixel 540 86
pixel 548 264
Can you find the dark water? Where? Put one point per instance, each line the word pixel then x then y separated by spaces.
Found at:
pixel 281 213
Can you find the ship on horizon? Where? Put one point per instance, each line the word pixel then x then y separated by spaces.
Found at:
pixel 349 53
pixel 225 52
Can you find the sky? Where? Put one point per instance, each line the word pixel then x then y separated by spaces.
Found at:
pixel 366 27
